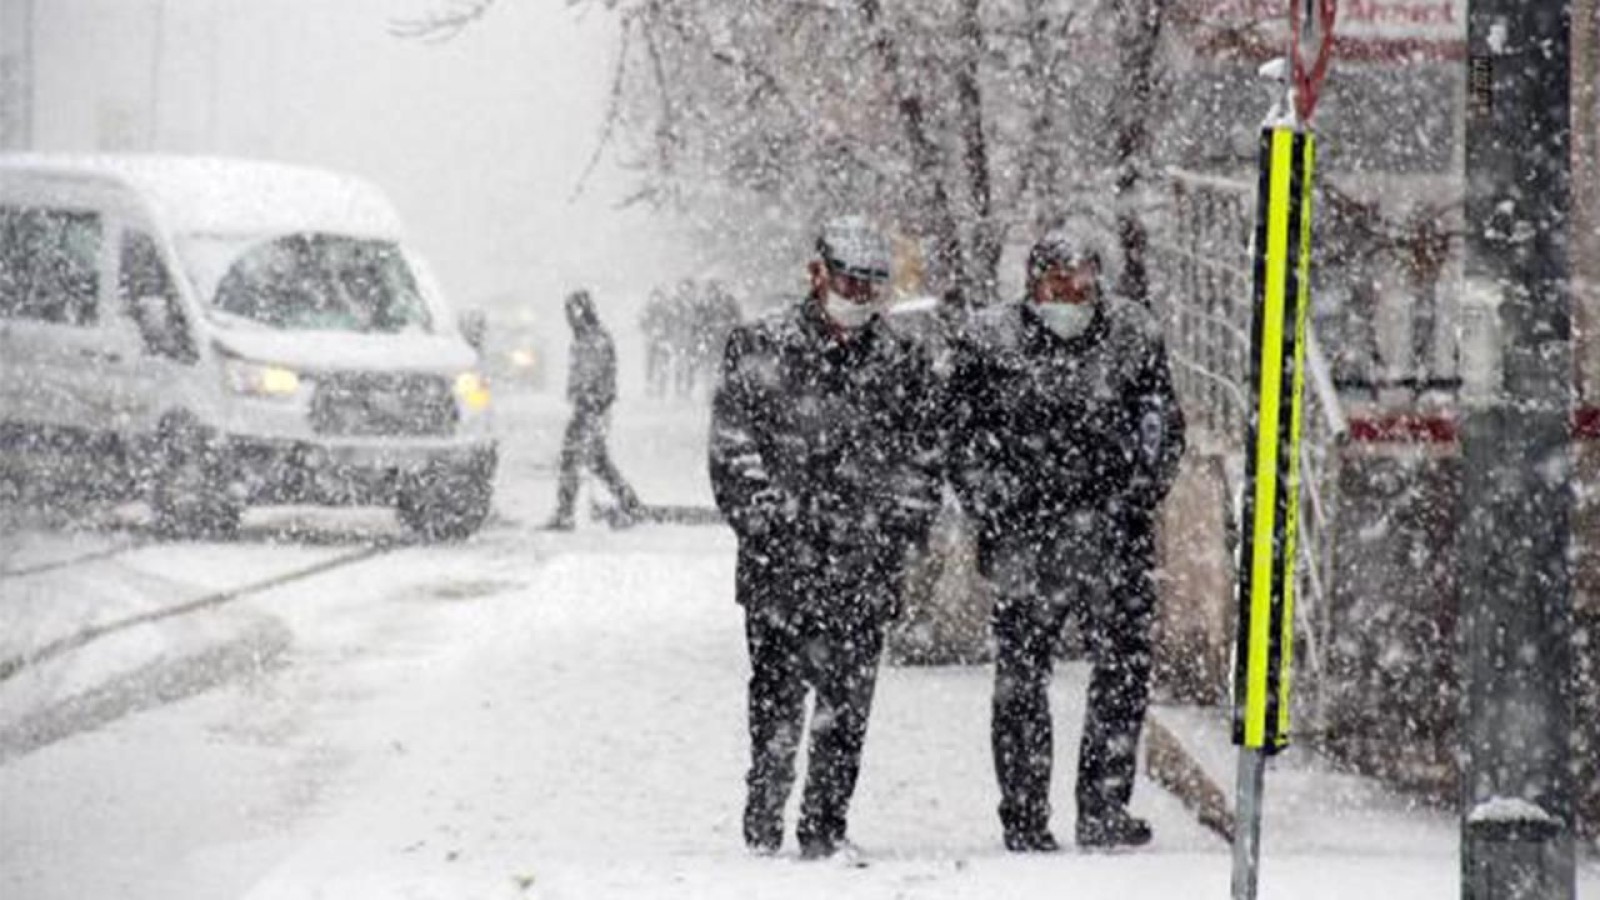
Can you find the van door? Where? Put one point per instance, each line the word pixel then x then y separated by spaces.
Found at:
pixel 54 286
pixel 150 322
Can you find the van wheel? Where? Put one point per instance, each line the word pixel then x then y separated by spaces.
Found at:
pixel 190 495
pixel 448 503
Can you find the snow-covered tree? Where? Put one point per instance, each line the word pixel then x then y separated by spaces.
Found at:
pixel 965 125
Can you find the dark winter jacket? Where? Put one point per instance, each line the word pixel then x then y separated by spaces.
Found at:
pixel 823 457
pixel 1043 428
pixel 592 370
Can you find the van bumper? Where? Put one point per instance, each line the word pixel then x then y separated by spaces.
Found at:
pixel 351 472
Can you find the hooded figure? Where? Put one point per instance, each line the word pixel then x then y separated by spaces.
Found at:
pixel 591 389
pixel 1065 436
pixel 823 460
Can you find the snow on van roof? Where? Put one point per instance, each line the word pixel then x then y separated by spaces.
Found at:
pixel 210 195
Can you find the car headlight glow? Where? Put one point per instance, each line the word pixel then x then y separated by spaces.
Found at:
pixel 473 391
pixel 261 380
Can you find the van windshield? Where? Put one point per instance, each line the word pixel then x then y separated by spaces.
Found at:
pixel 308 282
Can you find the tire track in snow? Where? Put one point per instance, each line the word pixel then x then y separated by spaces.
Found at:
pixel 58 564
pixel 9 667
pixel 155 684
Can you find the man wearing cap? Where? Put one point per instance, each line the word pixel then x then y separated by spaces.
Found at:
pixel 1065 436
pixel 823 460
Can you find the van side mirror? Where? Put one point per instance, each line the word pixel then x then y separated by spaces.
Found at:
pixel 474 325
pixel 150 311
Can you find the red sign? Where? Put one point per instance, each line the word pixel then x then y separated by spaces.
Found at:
pixel 1368 31
pixel 1310 48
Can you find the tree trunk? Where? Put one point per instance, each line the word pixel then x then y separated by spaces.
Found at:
pixel 980 282
pixel 1138 30
pixel 1040 162
pixel 946 265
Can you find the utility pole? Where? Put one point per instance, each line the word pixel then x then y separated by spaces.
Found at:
pixel 1586 190
pixel 1280 313
pixel 1517 786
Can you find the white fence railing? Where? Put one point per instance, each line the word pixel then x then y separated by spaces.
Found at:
pixel 1200 276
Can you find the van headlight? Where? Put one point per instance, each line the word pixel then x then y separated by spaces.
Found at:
pixel 473 391
pixel 261 380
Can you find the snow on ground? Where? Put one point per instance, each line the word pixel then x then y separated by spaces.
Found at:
pixel 594 748
pixel 604 757
pixel 562 716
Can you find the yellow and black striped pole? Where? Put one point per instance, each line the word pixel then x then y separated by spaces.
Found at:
pixel 1281 297
pixel 1282 292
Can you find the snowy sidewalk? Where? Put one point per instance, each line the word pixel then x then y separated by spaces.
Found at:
pixel 592 744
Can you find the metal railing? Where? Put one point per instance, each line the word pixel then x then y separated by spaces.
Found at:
pixel 1201 281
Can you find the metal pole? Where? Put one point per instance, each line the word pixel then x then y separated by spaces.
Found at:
pixel 1516 599
pixel 1247 824
pixel 1586 192
pixel 1264 645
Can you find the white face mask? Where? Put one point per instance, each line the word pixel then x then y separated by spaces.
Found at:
pixel 1067 320
pixel 847 315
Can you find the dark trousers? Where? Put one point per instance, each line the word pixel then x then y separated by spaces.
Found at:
pixel 837 658
pixel 584 445
pixel 1106 582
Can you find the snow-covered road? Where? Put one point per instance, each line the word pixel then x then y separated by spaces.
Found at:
pixel 561 716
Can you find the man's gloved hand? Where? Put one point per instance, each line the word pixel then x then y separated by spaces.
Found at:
pixel 1143 494
pixel 835 517
pixel 909 516
pixel 769 510
pixel 891 602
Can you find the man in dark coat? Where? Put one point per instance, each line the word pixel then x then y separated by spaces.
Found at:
pixel 591 389
pixel 823 462
pixel 1065 437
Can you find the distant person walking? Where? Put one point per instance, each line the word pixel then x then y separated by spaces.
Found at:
pixel 591 389
pixel 655 323
pixel 683 332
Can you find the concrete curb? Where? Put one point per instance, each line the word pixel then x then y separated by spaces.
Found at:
pixel 1170 764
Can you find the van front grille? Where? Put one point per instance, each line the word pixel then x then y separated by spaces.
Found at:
pixel 382 405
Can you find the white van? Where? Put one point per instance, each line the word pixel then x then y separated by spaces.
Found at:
pixel 227 333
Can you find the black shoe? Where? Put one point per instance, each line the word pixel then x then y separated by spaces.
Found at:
pixel 1033 841
pixel 559 522
pixel 817 848
pixel 1112 828
pixel 763 847
pixel 622 515
pixel 1041 841
pixel 841 850
pixel 763 834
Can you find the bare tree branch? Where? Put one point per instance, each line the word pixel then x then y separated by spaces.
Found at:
pixel 442 25
pixel 947 257
pixel 1138 30
pixel 986 239
pixel 613 111
pixel 666 138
